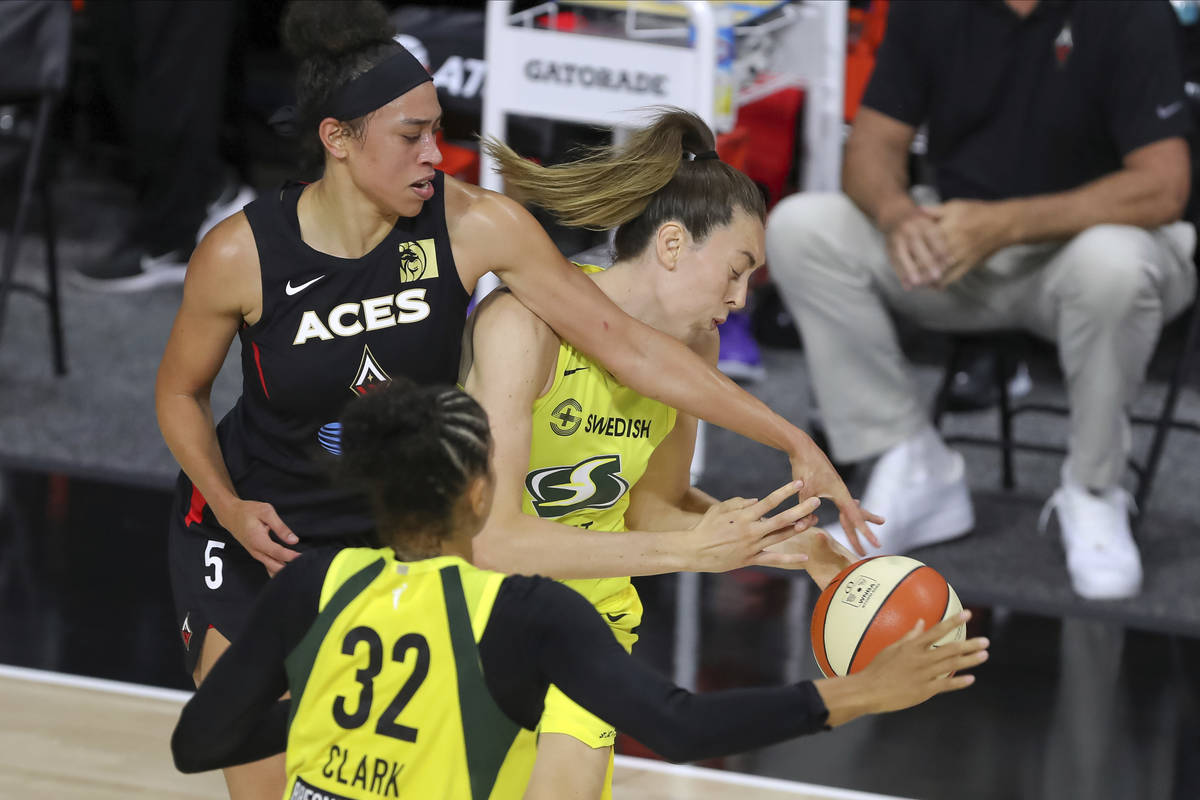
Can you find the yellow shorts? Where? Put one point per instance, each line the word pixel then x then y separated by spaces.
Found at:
pixel 623 613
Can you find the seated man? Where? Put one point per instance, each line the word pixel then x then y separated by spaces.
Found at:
pixel 1056 135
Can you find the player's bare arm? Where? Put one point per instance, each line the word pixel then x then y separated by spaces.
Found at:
pixel 515 353
pixel 222 291
pixel 494 233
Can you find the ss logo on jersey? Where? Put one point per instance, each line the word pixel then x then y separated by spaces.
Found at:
pixel 595 482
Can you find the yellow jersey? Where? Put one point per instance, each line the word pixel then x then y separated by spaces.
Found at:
pixel 388 697
pixel 591 441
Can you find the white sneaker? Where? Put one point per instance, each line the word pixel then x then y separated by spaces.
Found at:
pixel 920 488
pixel 232 199
pixel 1102 558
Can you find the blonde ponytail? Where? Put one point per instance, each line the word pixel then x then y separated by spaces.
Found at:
pixel 610 185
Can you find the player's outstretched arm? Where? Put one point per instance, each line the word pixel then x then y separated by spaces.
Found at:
pixel 494 233
pixel 514 354
pixel 576 651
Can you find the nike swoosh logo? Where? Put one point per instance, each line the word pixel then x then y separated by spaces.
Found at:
pixel 615 617
pixel 567 372
pixel 291 290
pixel 1169 111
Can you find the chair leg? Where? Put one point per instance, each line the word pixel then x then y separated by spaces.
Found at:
pixel 1006 438
pixel 52 294
pixel 940 400
pixel 1165 419
pixel 17 232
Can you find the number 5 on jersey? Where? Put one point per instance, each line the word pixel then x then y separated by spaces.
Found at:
pixel 217 577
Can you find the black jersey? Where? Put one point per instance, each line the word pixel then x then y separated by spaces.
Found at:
pixel 332 328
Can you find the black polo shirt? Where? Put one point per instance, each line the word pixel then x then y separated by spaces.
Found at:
pixel 1019 107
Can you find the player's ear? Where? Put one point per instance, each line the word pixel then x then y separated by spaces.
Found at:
pixel 669 242
pixel 335 137
pixel 479 495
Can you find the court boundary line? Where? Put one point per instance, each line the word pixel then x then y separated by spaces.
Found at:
pixel 50 678
pixel 746 779
pixel 101 684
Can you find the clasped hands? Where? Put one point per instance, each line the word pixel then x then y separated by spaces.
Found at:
pixel 937 245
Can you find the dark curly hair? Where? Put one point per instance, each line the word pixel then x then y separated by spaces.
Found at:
pixel 414 450
pixel 334 42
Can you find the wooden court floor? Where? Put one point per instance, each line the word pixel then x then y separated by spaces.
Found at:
pixel 68 738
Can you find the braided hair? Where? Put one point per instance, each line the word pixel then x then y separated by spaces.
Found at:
pixel 414 450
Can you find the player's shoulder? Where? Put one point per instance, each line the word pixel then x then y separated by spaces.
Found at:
pixel 473 211
pixel 224 268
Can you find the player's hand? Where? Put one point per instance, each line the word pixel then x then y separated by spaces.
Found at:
pixel 826 557
pixel 972 230
pixel 737 532
pixel 912 670
pixel 917 249
pixel 251 523
pixel 810 465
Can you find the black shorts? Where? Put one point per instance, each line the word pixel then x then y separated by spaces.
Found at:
pixel 214 580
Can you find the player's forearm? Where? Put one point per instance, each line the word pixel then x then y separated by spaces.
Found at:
pixel 663 368
pixel 188 429
pixel 530 546
pixel 659 514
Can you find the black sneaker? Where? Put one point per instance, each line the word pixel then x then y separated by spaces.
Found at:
pixel 130 269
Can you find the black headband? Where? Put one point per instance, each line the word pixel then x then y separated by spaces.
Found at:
pixel 376 87
pixel 705 156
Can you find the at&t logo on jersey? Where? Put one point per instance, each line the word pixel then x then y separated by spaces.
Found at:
pixel 595 482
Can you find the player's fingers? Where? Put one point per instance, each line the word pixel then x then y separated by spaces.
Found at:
pixel 914 631
pixel 852 536
pixel 768 503
pixel 282 531
pixel 856 529
pixel 954 683
pixel 772 539
pixel 271 564
pixel 790 516
pixel 946 626
pixel 279 553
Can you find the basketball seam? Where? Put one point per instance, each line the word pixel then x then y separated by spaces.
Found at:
pixel 871 621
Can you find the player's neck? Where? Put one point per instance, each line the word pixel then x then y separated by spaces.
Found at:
pixel 626 284
pixel 338 220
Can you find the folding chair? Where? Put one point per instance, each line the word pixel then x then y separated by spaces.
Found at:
pixel 35 50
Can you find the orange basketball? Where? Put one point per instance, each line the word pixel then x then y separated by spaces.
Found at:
pixel 873 603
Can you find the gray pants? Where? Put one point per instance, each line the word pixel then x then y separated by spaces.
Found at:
pixel 1103 296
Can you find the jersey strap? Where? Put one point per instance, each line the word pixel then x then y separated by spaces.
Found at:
pixel 488 733
pixel 299 662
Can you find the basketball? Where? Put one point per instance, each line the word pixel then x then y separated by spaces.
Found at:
pixel 873 603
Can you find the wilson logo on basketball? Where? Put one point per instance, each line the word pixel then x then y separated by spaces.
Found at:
pixel 595 482
pixel 857 591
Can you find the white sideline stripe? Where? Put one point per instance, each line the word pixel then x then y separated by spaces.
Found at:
pixel 99 684
pixel 742 779
pixel 630 762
